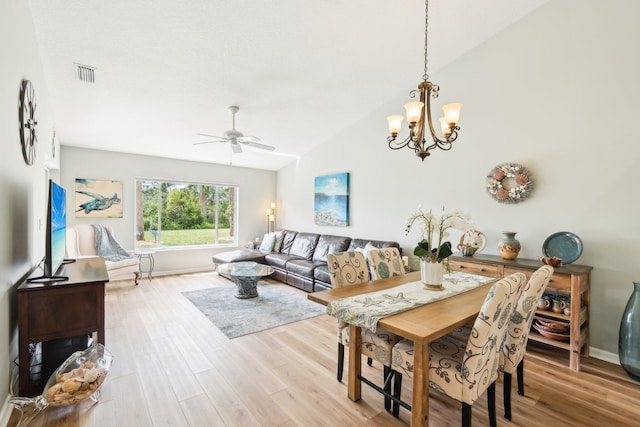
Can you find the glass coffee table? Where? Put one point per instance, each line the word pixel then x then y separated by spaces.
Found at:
pixel 246 276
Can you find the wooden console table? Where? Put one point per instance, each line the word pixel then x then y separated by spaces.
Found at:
pixel 571 280
pixel 60 310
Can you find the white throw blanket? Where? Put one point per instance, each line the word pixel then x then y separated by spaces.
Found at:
pixel 106 246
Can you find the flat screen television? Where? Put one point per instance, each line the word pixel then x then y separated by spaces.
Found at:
pixel 56 234
pixel 56 229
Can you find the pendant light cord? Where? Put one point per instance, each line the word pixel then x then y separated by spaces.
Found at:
pixel 425 76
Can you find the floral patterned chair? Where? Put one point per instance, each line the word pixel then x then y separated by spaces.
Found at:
pixel 350 268
pixel 464 371
pixel 515 345
pixel 384 263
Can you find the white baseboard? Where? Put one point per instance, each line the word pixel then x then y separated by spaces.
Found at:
pixel 167 273
pixel 607 356
pixel 5 412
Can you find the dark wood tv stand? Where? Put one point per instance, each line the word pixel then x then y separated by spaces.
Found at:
pixel 48 311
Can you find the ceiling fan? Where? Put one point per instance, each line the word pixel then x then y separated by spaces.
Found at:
pixel 236 138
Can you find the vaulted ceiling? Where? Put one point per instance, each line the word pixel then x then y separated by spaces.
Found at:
pixel 301 71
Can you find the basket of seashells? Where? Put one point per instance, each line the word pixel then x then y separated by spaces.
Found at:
pixel 79 377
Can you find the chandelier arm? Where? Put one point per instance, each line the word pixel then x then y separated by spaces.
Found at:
pixel 396 145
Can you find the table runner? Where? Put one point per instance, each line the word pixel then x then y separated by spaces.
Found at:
pixel 366 309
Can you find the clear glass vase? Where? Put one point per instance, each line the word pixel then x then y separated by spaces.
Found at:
pixel 629 338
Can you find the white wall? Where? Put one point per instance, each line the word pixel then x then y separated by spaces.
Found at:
pixel 22 188
pixel 256 192
pixel 556 92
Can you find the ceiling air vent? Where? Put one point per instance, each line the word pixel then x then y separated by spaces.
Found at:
pixel 84 73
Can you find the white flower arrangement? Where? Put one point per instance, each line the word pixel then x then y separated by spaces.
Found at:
pixel 435 227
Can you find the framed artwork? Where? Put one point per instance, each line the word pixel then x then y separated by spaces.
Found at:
pixel 98 199
pixel 331 200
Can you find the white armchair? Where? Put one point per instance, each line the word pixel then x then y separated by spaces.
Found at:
pixel 81 244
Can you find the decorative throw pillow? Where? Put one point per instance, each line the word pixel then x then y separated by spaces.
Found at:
pixel 268 241
pixel 279 240
pixel 368 248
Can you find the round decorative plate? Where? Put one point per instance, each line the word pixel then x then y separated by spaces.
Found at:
pixel 563 245
pixel 551 335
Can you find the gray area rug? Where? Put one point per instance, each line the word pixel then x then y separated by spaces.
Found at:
pixel 235 317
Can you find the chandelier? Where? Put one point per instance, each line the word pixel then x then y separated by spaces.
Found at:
pixel 419 115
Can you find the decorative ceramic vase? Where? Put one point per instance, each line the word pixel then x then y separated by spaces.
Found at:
pixel 509 246
pixel 629 337
pixel 431 274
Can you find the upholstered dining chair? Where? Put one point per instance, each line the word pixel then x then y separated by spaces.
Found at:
pixel 515 345
pixel 464 371
pixel 384 263
pixel 350 268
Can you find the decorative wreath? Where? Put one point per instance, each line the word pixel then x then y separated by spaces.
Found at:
pixel 521 177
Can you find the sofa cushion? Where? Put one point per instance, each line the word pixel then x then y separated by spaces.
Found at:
pixel 239 255
pixel 303 245
pixel 301 267
pixel 278 260
pixel 287 241
pixel 328 244
pixel 321 273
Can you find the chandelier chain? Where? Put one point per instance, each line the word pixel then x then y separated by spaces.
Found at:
pixel 425 76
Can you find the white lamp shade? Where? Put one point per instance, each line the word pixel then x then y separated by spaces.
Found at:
pixel 395 124
pixel 452 112
pixel 414 111
pixel 444 126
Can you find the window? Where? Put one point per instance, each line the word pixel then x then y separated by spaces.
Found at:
pixel 173 214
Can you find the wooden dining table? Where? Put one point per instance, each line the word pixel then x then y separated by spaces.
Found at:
pixel 421 325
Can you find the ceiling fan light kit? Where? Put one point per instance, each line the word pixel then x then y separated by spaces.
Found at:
pixel 236 138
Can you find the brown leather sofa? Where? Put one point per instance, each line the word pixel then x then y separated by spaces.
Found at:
pixel 300 259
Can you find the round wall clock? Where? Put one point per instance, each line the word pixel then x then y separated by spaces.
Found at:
pixel 28 122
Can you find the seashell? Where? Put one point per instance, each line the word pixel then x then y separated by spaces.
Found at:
pixel 91 376
pixel 95 375
pixel 52 391
pixel 78 372
pixel 64 377
pixel 71 385
pixel 61 397
pixel 521 178
pixel 87 365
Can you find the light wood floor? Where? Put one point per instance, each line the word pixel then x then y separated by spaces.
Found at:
pixel 172 367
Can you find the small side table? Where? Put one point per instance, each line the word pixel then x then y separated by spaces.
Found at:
pixel 148 254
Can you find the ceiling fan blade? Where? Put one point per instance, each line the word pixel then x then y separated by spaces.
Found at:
pixel 260 146
pixel 248 138
pixel 208 142
pixel 236 147
pixel 211 136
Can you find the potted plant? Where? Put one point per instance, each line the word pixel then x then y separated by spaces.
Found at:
pixel 434 250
